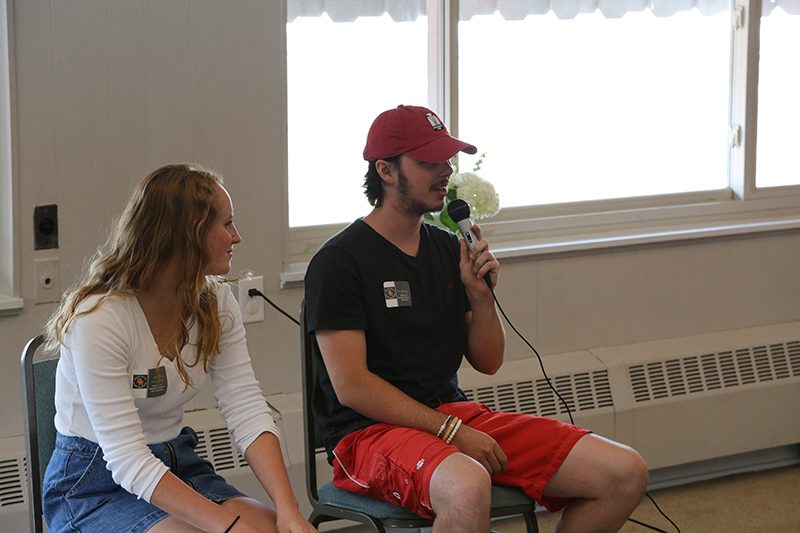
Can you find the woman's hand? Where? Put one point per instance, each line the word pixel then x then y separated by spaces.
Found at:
pixel 293 522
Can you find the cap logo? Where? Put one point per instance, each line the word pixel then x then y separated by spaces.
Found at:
pixel 436 124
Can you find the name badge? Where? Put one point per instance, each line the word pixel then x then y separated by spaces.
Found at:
pixel 149 383
pixel 397 293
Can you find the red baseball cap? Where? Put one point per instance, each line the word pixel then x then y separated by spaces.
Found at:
pixel 414 131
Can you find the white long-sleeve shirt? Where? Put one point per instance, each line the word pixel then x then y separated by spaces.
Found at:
pixel 108 369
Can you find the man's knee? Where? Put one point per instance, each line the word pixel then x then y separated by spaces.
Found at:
pixel 460 484
pixel 597 468
pixel 632 473
pixel 626 474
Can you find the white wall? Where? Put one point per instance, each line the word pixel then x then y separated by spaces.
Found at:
pixel 109 90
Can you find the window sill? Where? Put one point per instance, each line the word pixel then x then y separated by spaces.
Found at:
pixel 609 240
pixel 10 305
pixel 515 235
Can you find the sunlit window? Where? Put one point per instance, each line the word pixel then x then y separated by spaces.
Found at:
pixel 341 75
pixel 591 107
pixel 566 101
pixel 778 138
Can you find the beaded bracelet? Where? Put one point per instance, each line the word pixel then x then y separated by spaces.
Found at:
pixel 447 430
pixel 444 424
pixel 453 433
pixel 450 427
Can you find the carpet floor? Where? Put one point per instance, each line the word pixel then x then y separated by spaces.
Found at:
pixel 767 501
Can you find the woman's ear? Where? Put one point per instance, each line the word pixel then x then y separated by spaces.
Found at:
pixel 387 171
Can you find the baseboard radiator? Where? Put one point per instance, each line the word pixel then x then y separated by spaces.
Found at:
pixel 678 402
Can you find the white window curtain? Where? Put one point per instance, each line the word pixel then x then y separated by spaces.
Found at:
pixel 409 10
pixel 792 7
pixel 568 9
pixel 350 10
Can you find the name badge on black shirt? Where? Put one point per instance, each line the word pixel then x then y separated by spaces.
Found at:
pixel 397 293
pixel 149 383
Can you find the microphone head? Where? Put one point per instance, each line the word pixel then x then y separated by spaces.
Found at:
pixel 458 210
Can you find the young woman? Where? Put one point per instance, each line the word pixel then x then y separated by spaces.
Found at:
pixel 138 334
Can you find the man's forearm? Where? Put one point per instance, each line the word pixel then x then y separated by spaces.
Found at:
pixel 487 338
pixel 381 401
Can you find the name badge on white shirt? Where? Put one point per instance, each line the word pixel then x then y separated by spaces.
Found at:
pixel 149 383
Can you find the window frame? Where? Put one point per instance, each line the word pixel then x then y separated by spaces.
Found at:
pixel 10 302
pixel 533 232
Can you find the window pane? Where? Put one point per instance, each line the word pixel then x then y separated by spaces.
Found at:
pixel 341 75
pixel 778 102
pixel 596 108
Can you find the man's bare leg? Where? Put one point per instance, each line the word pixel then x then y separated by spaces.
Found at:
pixel 606 480
pixel 461 494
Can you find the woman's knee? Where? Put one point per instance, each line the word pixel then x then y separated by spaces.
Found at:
pixel 254 512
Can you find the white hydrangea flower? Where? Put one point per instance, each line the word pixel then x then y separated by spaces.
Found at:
pixel 479 193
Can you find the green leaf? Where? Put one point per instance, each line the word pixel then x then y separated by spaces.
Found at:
pixel 479 162
pixel 452 194
pixel 447 221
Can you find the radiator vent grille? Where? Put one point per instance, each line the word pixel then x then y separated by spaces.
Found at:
pixel 582 392
pixel 12 479
pixel 702 373
pixel 216 445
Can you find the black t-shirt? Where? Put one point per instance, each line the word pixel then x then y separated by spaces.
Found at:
pixel 412 310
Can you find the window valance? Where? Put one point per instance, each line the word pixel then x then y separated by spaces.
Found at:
pixel 410 10
pixel 792 7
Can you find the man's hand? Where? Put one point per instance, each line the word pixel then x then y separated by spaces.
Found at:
pixel 482 448
pixel 478 262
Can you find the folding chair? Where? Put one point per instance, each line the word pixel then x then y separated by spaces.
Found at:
pixel 38 394
pixel 332 503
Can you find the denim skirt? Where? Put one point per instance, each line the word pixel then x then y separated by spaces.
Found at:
pixel 80 495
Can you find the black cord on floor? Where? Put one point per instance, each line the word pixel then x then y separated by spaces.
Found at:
pixel 654 528
pixel 663 513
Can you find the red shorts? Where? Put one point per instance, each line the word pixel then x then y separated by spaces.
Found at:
pixel 395 464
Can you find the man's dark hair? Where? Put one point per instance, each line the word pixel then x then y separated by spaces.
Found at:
pixel 373 184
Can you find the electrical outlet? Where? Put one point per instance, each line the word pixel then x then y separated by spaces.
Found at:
pixel 252 307
pixel 47 288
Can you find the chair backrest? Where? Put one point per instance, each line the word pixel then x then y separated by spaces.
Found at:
pixel 38 393
pixel 311 440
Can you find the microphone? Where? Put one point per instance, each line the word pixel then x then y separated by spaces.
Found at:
pixel 458 210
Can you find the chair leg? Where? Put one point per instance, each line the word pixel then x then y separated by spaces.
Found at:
pixel 374 525
pixel 530 522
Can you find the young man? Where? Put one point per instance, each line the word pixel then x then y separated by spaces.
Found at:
pixel 395 304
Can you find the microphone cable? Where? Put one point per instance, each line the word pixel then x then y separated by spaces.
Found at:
pixel 255 292
pixel 569 411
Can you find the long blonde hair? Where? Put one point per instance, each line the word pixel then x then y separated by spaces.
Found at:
pixel 170 212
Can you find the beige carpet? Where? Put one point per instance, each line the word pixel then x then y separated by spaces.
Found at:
pixel 762 502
